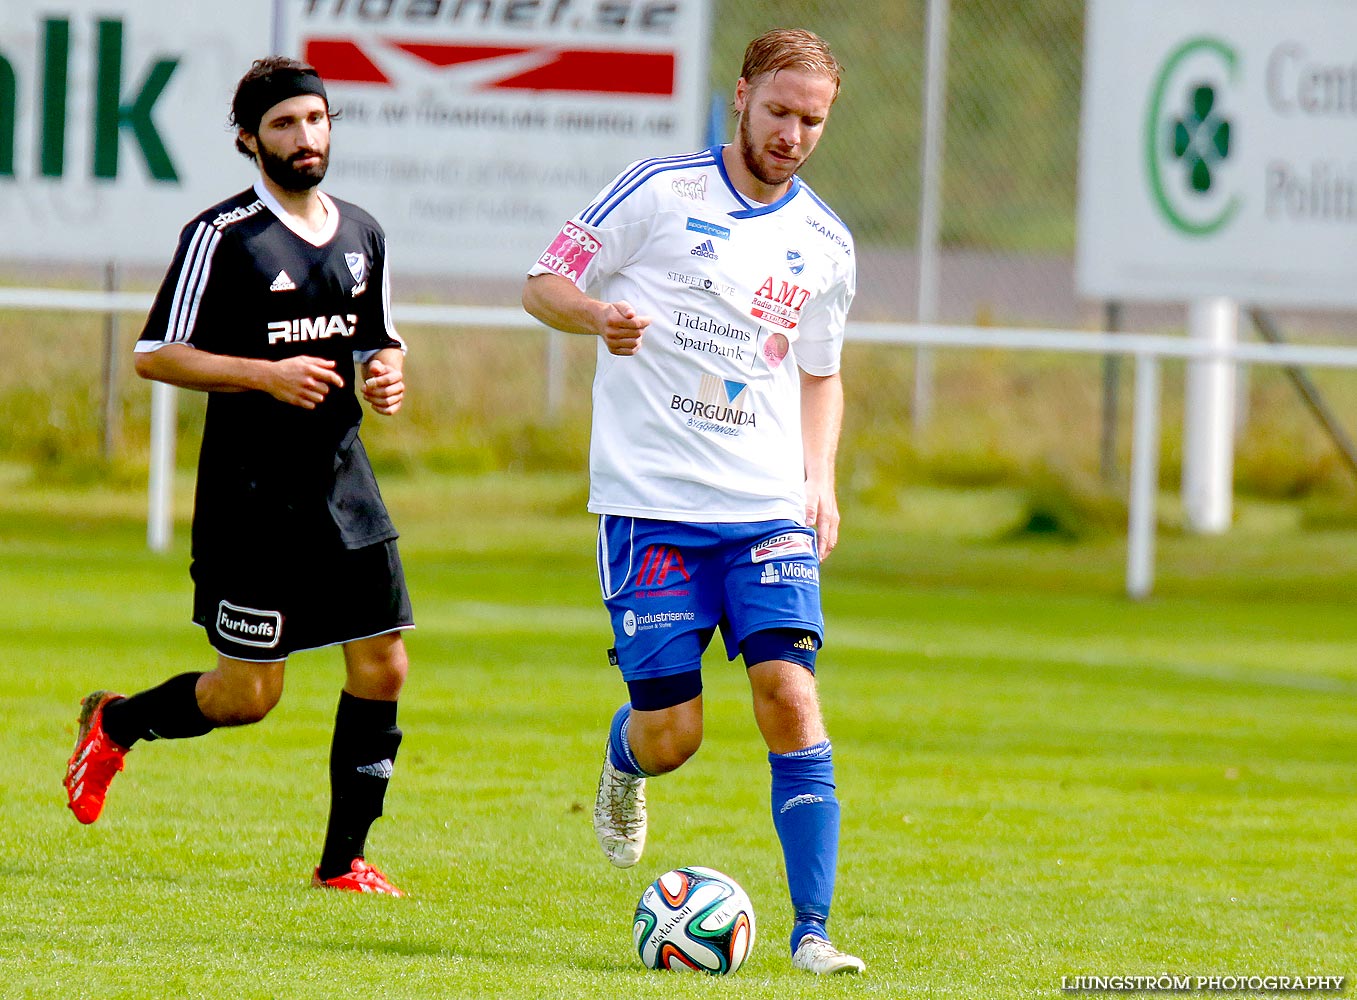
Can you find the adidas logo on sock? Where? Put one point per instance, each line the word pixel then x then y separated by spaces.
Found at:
pixel 800 800
pixel 704 249
pixel 283 283
pixel 381 769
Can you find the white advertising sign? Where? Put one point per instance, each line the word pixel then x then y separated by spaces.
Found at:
pixel 113 122
pixel 472 129
pixel 1218 152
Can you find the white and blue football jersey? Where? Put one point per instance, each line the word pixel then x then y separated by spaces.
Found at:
pixel 704 422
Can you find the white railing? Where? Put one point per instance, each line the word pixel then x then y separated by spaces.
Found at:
pixel 1149 351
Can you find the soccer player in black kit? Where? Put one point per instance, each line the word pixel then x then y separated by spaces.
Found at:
pixel 272 298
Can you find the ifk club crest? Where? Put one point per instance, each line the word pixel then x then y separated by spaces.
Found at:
pixel 1190 137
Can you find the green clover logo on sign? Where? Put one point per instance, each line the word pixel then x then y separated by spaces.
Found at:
pixel 1196 140
pixel 1201 138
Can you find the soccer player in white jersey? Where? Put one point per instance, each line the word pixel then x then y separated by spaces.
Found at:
pixel 718 285
pixel 272 297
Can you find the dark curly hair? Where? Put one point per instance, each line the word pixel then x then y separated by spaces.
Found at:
pixel 261 77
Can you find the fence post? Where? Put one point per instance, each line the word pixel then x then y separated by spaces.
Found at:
pixel 1141 517
pixel 160 487
pixel 1107 446
pixel 108 436
pixel 930 202
pixel 1208 418
pixel 555 372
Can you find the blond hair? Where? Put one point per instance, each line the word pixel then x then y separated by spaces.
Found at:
pixel 790 48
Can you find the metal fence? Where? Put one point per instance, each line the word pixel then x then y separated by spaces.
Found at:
pixel 1148 351
pixel 1006 80
pixel 1005 183
pixel 1008 74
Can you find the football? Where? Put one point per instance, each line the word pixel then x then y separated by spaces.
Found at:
pixel 694 919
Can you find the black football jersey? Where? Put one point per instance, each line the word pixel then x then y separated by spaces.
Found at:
pixel 244 283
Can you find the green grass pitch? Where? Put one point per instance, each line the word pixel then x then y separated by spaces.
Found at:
pixel 1039 778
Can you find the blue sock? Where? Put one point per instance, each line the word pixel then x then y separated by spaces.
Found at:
pixel 619 750
pixel 806 817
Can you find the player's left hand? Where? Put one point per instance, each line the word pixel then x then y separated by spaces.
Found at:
pixel 822 514
pixel 384 387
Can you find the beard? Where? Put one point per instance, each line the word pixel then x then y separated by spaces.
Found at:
pixel 754 165
pixel 285 172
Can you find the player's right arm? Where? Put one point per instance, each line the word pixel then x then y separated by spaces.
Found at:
pixel 188 331
pixel 594 245
pixel 557 302
pixel 301 381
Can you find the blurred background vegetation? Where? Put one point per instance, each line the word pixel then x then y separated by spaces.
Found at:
pixel 476 403
pixel 1013 79
pixel 1029 422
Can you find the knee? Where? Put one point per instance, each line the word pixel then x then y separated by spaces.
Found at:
pixel 385 684
pixel 251 710
pixel 790 701
pixel 668 756
pixel 787 708
pixel 380 674
pixel 244 701
pixel 668 748
pixel 258 699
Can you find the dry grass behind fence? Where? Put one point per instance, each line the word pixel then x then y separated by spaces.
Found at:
pixel 478 401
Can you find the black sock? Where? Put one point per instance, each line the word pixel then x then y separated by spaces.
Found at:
pixel 362 755
pixel 168 712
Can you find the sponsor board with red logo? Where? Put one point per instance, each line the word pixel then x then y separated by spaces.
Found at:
pixel 472 131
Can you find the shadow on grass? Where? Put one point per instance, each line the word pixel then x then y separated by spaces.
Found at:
pixel 461 948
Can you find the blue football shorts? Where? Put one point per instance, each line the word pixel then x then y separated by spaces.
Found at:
pixel 669 585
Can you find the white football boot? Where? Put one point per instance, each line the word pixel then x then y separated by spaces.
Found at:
pixel 620 815
pixel 815 954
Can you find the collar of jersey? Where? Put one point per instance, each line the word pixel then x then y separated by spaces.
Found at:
pixel 752 210
pixel 316 239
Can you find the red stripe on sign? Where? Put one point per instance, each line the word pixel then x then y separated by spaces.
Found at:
pixel 450 55
pixel 342 61
pixel 599 72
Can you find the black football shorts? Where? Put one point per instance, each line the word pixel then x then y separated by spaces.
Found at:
pixel 263 612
